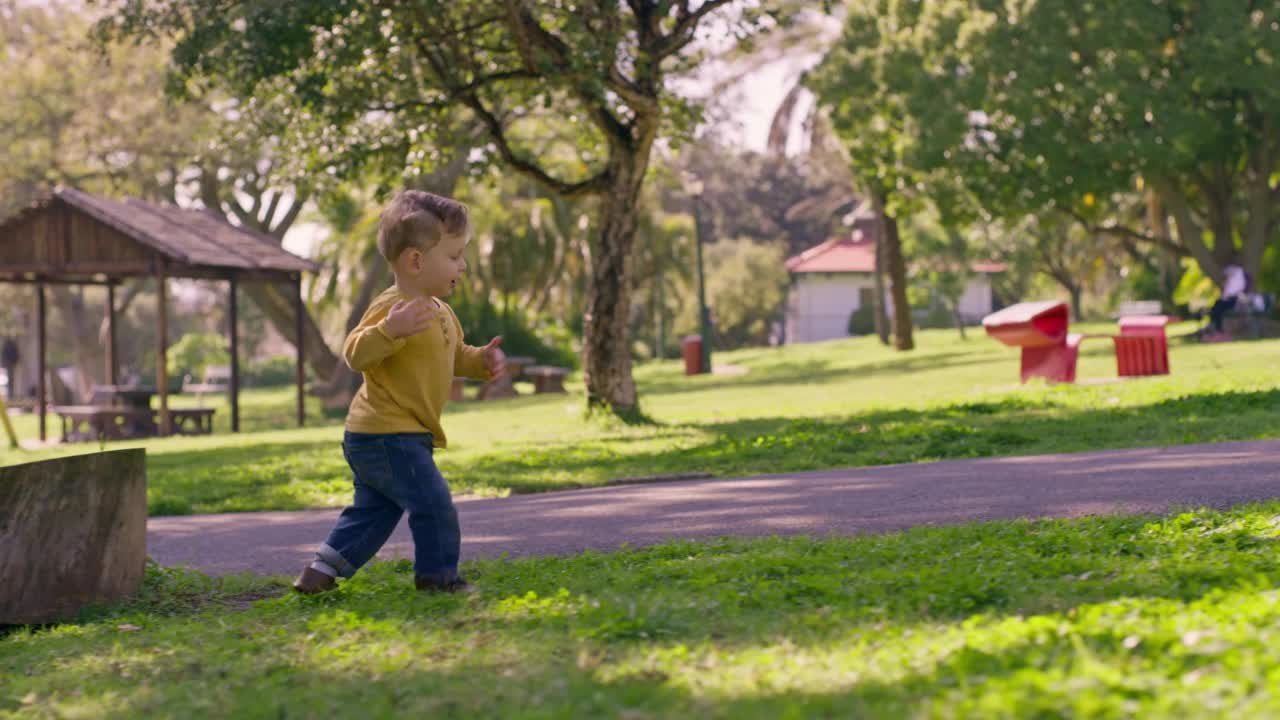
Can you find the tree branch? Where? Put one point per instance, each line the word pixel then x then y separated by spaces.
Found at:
pixel 246 218
pixel 290 216
pixel 686 22
pixel 270 213
pixel 496 132
pixel 530 33
pixel 1190 234
pixel 1125 232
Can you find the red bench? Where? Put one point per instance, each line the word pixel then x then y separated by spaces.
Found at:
pixel 1050 352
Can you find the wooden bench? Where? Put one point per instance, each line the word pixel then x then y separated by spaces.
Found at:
pixel 1133 308
pixel 546 378
pixel 1251 316
pixel 87 423
pixel 23 404
pixel 191 421
pixel 217 378
pixel 502 387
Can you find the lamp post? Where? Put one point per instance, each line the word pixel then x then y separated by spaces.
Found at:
pixel 704 314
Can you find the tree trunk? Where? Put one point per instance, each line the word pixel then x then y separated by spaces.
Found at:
pixel 877 302
pixel 606 343
pixel 73 531
pixel 1190 233
pixel 1166 259
pixel 131 293
pixel 338 389
pixel 1076 292
pixel 897 267
pixel 955 313
pixel 70 303
pixel 276 302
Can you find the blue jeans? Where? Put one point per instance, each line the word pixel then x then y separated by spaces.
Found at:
pixel 395 474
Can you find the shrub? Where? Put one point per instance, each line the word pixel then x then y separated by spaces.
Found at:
pixel 194 352
pixel 863 320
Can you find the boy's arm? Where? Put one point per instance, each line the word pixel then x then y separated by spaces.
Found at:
pixel 468 360
pixel 370 343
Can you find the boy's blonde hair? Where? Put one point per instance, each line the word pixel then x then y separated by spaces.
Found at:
pixel 420 220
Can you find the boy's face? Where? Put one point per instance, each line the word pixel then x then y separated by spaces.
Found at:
pixel 436 271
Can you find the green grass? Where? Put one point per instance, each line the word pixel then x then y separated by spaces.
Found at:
pixel 836 404
pixel 1175 616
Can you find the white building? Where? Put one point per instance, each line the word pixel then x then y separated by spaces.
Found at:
pixel 832 280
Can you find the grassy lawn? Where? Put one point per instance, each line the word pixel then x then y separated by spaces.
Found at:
pixel 843 403
pixel 1175 616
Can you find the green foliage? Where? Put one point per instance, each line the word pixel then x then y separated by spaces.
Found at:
pixel 1195 290
pixel 547 342
pixel 863 320
pixel 1080 102
pixel 1167 616
pixel 194 352
pixel 73 115
pixel 746 287
pixel 270 372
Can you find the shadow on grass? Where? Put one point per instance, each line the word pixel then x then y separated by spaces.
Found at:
pixel 882 626
pixel 815 372
pixel 279 476
pixel 1010 426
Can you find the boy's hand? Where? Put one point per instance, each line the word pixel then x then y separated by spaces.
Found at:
pixel 494 359
pixel 410 318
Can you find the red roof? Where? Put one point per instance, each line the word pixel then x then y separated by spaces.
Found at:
pixel 836 255
pixel 854 254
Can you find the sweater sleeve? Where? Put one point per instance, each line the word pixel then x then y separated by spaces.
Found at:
pixel 370 343
pixel 468 360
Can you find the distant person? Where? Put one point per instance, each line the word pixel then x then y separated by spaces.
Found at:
pixel 9 359
pixel 1235 284
pixel 409 346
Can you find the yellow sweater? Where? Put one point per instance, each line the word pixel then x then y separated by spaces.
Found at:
pixel 407 380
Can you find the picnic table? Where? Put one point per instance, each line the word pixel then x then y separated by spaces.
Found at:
pixel 504 386
pixel 1050 352
pixel 118 412
pixel 133 396
pixel 546 378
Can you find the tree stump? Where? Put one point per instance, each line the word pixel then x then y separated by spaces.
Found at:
pixel 73 531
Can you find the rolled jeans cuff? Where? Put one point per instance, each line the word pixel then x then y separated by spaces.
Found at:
pixel 331 557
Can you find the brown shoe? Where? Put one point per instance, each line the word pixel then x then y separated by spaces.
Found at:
pixel 456 585
pixel 312 581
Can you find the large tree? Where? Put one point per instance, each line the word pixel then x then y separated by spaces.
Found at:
pixel 1068 100
pixel 95 117
pixel 406 67
pixel 866 84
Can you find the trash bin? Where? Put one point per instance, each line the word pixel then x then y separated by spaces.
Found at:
pixel 1142 348
pixel 691 350
pixel 1040 329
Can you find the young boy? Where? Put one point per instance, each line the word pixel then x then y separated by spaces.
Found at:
pixel 409 346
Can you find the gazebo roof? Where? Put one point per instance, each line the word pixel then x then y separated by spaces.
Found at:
pixel 72 235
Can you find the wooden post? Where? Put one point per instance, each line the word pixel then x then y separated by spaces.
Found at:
pixel 41 390
pixel 298 333
pixel 113 353
pixel 162 341
pixel 8 426
pixel 233 324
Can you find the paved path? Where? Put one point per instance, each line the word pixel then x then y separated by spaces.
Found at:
pixel 816 503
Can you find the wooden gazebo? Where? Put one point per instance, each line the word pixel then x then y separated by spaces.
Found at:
pixel 76 238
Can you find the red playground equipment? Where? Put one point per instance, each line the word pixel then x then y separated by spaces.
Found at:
pixel 1050 352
